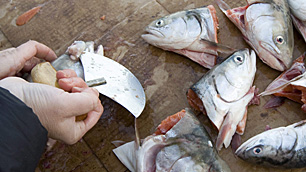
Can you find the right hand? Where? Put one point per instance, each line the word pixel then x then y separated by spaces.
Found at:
pixel 57 108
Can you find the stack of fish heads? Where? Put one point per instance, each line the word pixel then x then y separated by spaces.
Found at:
pixel 266 26
pixel 224 93
pixel 180 146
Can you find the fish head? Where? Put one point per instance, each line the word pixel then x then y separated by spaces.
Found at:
pixel 272 36
pixel 278 46
pixel 270 148
pixel 175 31
pixel 236 75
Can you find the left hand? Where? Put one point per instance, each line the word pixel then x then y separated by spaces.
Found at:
pixel 57 109
pixel 23 58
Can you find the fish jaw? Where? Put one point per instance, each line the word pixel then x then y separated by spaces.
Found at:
pixel 273 60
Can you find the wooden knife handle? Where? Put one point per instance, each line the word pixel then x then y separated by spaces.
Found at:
pixel 45 73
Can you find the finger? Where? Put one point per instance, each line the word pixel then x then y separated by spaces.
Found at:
pixel 28 66
pixel 12 60
pixel 33 48
pixel 91 119
pixel 80 103
pixel 66 73
pixel 68 84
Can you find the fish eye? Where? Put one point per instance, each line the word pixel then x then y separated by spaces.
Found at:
pixel 238 59
pixel 280 40
pixel 159 23
pixel 257 150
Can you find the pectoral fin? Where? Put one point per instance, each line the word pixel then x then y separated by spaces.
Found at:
pixel 126 154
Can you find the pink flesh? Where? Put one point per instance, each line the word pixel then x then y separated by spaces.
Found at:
pixel 275 102
pixel 236 15
pixel 256 98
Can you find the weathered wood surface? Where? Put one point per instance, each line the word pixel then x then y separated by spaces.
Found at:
pixel 165 76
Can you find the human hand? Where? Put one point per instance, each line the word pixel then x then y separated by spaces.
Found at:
pixel 57 109
pixel 23 58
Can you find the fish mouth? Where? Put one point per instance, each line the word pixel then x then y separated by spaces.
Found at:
pixel 151 31
pixel 245 147
pixel 281 65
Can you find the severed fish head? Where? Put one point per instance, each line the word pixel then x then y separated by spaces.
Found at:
pixel 179 30
pixel 267 27
pixel 272 34
pixel 273 147
pixel 180 144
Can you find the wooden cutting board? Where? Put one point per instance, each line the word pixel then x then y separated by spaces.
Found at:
pixel 165 76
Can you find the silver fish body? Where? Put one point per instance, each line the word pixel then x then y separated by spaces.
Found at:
pixel 225 92
pixel 192 33
pixel 283 147
pixel 266 26
pixel 71 59
pixel 185 147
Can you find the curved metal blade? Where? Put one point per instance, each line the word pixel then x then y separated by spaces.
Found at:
pixel 121 85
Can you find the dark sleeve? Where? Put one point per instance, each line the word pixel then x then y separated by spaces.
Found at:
pixel 22 137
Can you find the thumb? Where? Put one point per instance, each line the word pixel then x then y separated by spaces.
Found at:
pixel 92 118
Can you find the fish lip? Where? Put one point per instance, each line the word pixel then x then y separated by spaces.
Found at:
pixel 154 32
pixel 282 64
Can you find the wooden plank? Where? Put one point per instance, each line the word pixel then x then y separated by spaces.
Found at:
pixel 165 76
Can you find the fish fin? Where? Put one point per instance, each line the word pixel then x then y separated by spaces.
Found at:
pixel 241 125
pixel 236 15
pixel 126 154
pixel 236 142
pixel 226 132
pixel 282 86
pixel 204 59
pixel 232 119
pixel 217 47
